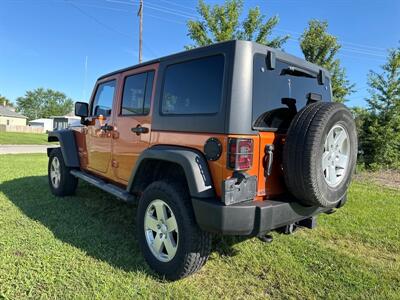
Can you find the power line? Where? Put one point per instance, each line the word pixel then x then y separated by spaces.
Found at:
pixel 359 47
pixel 179 5
pixel 120 2
pixel 159 8
pixel 106 25
pixel 171 11
pixel 96 20
pixel 356 48
pixel 183 13
pixel 164 19
pixel 102 7
pixel 129 11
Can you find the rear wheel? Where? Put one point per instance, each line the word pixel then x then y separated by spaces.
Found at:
pixel 61 182
pixel 320 154
pixel 171 242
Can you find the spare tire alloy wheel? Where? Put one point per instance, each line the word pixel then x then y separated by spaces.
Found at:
pixel 336 155
pixel 161 230
pixel 320 154
pixel 55 172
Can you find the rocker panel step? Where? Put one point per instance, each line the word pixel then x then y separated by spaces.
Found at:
pixel 101 184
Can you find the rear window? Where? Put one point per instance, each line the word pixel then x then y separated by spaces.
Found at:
pixel 137 94
pixel 270 87
pixel 193 87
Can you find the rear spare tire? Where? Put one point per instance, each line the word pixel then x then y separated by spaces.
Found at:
pixel 320 154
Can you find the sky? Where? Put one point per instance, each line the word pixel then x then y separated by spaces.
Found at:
pixel 67 44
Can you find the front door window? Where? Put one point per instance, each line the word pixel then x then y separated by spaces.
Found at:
pixel 103 100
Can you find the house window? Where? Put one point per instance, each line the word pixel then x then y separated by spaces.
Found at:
pixel 8 122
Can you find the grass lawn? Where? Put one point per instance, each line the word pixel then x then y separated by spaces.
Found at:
pixel 85 247
pixel 20 138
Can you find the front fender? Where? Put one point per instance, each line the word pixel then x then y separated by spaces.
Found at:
pixel 192 162
pixel 68 147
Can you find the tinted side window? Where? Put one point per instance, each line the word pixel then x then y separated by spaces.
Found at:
pixel 137 94
pixel 133 97
pixel 103 99
pixel 149 90
pixel 194 87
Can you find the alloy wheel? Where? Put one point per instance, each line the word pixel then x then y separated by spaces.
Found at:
pixel 335 158
pixel 161 230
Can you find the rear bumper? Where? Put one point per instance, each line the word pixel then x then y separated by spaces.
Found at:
pixel 249 218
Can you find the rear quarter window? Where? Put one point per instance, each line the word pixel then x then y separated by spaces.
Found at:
pixel 193 87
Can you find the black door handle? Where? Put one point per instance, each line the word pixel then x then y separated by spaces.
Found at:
pixel 107 127
pixel 139 130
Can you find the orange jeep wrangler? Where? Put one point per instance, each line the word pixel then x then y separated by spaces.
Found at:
pixel 235 138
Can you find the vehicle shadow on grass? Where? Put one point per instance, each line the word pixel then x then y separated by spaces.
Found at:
pixel 92 221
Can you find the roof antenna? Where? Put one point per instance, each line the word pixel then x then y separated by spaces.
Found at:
pixel 85 79
pixel 140 14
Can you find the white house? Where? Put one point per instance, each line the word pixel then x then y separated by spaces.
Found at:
pixel 46 124
pixel 9 117
pixel 61 122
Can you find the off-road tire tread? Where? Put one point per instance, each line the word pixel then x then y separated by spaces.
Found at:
pixel 309 182
pixel 200 243
pixel 68 182
pixel 294 147
pixel 300 145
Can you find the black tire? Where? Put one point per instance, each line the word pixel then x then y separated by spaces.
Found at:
pixel 193 246
pixel 67 182
pixel 303 150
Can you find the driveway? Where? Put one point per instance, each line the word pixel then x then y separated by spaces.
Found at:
pixel 15 149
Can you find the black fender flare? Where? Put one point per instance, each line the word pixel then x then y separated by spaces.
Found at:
pixel 68 147
pixel 192 162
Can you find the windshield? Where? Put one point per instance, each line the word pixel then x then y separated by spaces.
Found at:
pixel 279 93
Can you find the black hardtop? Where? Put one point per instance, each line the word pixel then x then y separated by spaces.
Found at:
pixel 244 63
pixel 229 45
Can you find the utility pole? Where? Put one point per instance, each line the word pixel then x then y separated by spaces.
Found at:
pixel 140 14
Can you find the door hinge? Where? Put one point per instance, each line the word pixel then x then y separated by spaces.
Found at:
pixel 115 134
pixel 82 154
pixel 269 158
pixel 114 164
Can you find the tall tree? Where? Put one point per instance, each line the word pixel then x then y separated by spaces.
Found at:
pixel 380 134
pixel 4 101
pixel 43 103
pixel 321 48
pixel 221 23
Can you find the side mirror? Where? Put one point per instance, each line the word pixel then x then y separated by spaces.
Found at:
pixel 81 109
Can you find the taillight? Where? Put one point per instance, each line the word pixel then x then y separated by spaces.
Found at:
pixel 240 153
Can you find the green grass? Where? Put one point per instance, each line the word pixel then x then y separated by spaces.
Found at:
pixel 20 138
pixel 85 247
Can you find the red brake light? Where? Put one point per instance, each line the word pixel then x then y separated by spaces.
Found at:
pixel 240 153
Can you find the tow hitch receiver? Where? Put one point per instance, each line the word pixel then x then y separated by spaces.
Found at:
pixel 309 223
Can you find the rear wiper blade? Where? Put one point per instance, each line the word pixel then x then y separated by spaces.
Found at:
pixel 297 72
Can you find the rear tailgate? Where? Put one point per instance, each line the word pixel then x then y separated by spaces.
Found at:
pixel 279 92
pixel 270 175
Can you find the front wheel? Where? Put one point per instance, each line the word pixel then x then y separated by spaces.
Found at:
pixel 171 242
pixel 61 182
